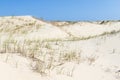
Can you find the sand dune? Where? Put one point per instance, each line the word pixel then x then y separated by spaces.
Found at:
pixel 34 49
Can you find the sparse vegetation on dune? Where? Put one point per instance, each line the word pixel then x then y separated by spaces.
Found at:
pixel 60 48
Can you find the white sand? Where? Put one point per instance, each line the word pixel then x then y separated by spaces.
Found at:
pixel 105 49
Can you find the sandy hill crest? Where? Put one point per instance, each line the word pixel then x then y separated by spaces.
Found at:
pixel 30 27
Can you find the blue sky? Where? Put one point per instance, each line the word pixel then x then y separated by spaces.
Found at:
pixel 71 10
